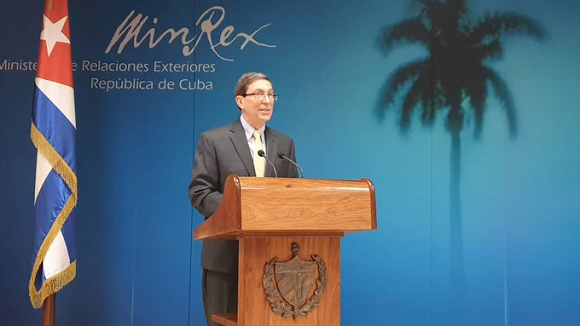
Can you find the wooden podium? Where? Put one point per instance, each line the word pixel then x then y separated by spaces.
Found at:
pixel 267 216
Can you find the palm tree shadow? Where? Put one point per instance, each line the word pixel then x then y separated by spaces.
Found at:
pixel 454 79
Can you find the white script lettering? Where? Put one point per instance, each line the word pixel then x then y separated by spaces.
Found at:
pixel 130 30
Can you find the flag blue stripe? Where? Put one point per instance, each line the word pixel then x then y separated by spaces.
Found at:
pixel 49 203
pixel 55 127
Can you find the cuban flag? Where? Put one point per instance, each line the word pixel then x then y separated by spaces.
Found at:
pixel 53 133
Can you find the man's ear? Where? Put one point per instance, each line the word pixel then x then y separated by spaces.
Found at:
pixel 240 101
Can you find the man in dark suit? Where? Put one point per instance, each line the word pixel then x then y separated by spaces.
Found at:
pixel 233 149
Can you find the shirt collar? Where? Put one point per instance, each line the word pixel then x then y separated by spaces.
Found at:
pixel 249 130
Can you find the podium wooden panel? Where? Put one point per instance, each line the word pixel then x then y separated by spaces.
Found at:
pixel 267 215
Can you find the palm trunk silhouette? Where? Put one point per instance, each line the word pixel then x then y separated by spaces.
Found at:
pixel 456 226
pixel 455 125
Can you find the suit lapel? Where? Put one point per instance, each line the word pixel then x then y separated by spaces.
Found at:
pixel 271 151
pixel 238 138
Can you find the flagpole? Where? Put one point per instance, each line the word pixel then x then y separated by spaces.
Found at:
pixel 48 310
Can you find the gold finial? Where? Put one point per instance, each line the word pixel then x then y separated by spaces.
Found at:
pixel 50 5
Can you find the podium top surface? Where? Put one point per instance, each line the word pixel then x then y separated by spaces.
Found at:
pixel 276 206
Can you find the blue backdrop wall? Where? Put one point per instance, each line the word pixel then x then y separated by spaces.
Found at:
pixel 137 264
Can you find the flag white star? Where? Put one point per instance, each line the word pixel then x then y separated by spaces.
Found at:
pixel 52 33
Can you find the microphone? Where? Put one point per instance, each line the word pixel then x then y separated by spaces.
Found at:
pixel 284 157
pixel 262 154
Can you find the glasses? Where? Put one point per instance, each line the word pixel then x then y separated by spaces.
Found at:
pixel 260 96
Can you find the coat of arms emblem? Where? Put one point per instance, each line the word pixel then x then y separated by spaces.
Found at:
pixel 289 286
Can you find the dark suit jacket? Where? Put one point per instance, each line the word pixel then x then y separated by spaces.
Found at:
pixel 221 152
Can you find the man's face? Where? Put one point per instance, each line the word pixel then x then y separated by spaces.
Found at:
pixel 257 109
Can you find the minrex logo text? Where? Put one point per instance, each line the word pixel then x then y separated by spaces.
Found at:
pixel 209 22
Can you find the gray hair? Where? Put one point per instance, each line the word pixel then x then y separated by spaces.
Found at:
pixel 245 81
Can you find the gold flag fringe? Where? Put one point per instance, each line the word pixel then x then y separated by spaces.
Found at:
pixel 54 158
pixel 57 282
